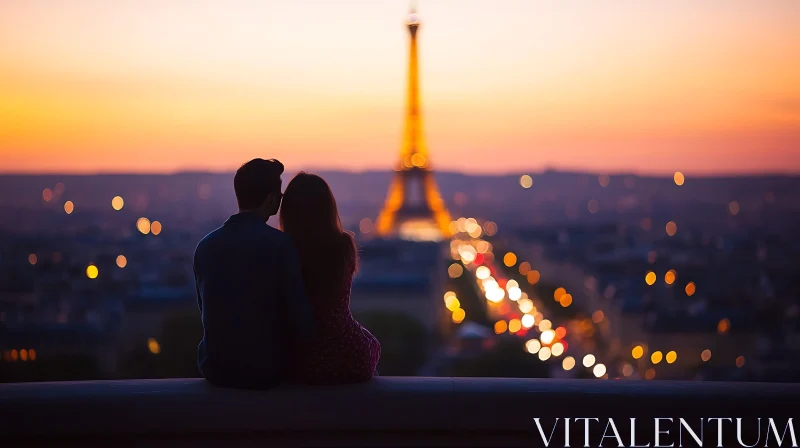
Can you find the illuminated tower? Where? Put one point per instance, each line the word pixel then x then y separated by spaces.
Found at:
pixel 414 209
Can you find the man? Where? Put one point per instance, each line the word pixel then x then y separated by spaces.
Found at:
pixel 249 288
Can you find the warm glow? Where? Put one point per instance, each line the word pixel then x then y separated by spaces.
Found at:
pixel 155 228
pixel 524 268
pixel 706 355
pixel 627 370
pixel 637 352
pixel 122 261
pixel 690 289
pixel 47 194
pixel 117 203
pixel 669 277
pixel 650 373
pixel 723 326
pixel 142 87
pixel 14 355
pixel 455 270
pixel 32 259
pixel 500 327
pixel 671 357
pixel 528 321
pixel 679 178
pixel 459 315
pixel 533 346
pixel 533 277
pixel 568 363
pixel 153 346
pixel 558 293
pixel 452 303
pixel 23 354
pixel 598 316
pixel 525 305
pixel 482 273
pixel 92 271
pixel 544 353
pixel 526 181
pixel 557 349
pixel 599 370
pixel 32 354
pixel 740 361
pixel 143 225
pixel 588 360
pixel 514 325
pixel 650 278
pixel 671 228
pixel 565 300
pixel 656 357
pixel 510 259
pixel 545 325
pixel 69 207
pixel 547 337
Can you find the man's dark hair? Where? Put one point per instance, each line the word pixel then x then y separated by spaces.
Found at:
pixel 255 180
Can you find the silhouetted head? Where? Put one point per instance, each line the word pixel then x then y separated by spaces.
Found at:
pixel 257 184
pixel 310 217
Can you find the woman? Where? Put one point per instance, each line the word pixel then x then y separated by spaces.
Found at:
pixel 342 351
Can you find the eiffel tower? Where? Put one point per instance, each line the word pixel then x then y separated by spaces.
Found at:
pixel 414 208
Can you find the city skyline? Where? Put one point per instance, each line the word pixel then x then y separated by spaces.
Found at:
pixel 612 87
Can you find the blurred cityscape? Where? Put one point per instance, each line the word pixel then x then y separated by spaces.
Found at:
pixel 550 274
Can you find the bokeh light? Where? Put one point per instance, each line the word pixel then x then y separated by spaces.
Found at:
pixel 153 346
pixel 533 346
pixel 92 271
pixel 723 326
pixel 510 259
pixel 143 225
pixel 671 228
pixel 122 261
pixel 599 370
pixel 526 181
pixel 656 357
pixel 117 203
pixel 568 363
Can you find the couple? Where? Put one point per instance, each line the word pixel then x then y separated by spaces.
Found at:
pixel 275 305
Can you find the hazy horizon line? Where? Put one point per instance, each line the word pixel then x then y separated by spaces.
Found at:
pixel 532 172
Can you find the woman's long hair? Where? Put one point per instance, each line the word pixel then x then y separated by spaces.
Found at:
pixel 309 215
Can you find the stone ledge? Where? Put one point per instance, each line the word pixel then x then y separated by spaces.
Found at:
pixel 385 411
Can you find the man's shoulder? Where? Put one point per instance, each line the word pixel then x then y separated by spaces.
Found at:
pixel 208 240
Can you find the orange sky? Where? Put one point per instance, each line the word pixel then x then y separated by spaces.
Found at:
pixel 507 85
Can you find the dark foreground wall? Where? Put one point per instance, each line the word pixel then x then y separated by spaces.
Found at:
pixel 391 412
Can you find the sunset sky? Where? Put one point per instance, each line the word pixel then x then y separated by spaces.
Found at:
pixel 507 85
